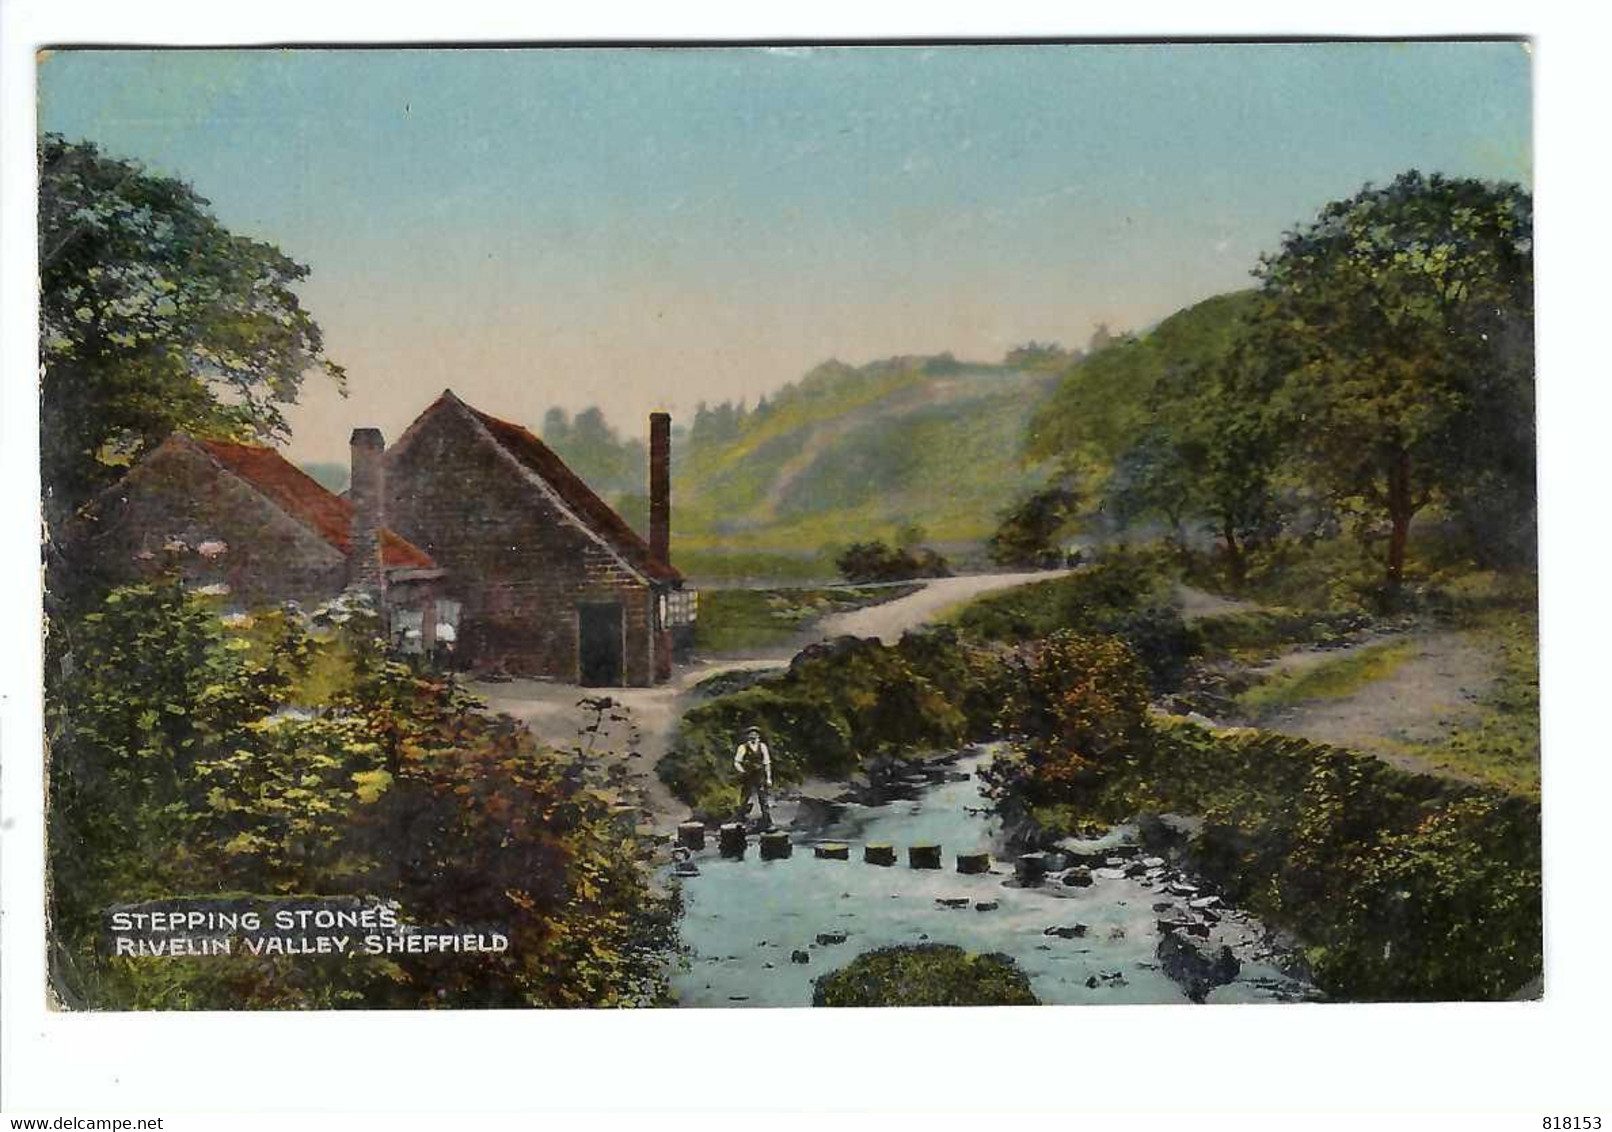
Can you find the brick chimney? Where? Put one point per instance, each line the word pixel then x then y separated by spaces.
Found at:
pixel 660 486
pixel 368 494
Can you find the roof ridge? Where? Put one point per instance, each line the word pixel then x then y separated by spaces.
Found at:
pixel 625 541
pixel 287 502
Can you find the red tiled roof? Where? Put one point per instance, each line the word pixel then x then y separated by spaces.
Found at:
pixel 600 517
pixel 302 497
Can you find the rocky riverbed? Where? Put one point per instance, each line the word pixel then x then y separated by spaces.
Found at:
pixel 1089 921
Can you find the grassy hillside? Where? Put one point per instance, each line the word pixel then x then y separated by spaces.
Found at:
pixel 853 453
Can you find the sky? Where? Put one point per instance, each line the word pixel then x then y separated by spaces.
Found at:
pixel 644 229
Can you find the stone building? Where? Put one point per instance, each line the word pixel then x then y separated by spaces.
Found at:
pixel 548 580
pixel 245 520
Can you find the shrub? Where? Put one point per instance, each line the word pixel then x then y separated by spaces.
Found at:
pixel 840 703
pixel 1405 886
pixel 930 974
pixel 1124 596
pixel 186 763
pixel 1079 705
pixel 877 561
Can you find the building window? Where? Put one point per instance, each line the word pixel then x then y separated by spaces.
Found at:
pixel 679 607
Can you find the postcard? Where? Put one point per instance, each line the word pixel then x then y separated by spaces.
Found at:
pixel 537 527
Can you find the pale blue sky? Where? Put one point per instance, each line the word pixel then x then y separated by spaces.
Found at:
pixel 646 228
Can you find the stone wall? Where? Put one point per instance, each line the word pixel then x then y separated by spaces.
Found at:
pixel 512 557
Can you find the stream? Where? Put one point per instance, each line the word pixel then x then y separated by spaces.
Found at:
pixel 745 918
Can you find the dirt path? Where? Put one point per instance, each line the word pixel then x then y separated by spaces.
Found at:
pixel 1436 689
pixel 1196 604
pixel 888 621
pixel 639 739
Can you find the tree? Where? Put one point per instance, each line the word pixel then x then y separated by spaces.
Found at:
pixel 1028 532
pixel 154 316
pixel 1396 318
pixel 1211 451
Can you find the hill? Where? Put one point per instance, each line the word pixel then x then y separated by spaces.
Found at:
pixel 858 452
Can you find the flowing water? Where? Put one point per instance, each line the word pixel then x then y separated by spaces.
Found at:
pixel 744 918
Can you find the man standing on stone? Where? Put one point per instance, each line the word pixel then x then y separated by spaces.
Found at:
pixel 753 761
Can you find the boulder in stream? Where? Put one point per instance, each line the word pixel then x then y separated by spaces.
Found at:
pixel 1078 877
pixel 1030 868
pixel 1196 964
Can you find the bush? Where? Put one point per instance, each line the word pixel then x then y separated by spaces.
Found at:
pixel 928 974
pixel 1125 596
pixel 1405 886
pixel 1079 706
pixel 839 705
pixel 1027 535
pixel 877 561
pixel 186 761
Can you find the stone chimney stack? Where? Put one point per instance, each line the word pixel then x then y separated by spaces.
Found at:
pixel 368 495
pixel 660 486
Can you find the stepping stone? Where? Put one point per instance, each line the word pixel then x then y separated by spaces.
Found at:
pixel 798 956
pixel 923 856
pixel 952 901
pixel 879 854
pixel 1030 867
pixel 832 851
pixel 776 846
pixel 828 939
pixel 1066 931
pixel 732 840
pixel 691 834
pixel 986 906
pixel 972 863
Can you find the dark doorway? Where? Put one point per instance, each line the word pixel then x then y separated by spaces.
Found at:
pixel 599 633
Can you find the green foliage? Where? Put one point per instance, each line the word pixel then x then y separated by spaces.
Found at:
pixel 925 974
pixel 1103 404
pixel 154 317
pixel 741 620
pixel 838 706
pixel 1407 886
pixel 851 453
pixel 1079 704
pixel 593 449
pixel 1028 533
pixel 1124 595
pixel 1401 322
pixel 879 562
pixel 1502 746
pixel 183 765
pixel 1260 631
pixel 1331 679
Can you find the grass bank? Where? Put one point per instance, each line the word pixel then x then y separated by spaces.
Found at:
pixel 1330 679
pixel 1403 886
pixel 748 620
pixel 838 707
